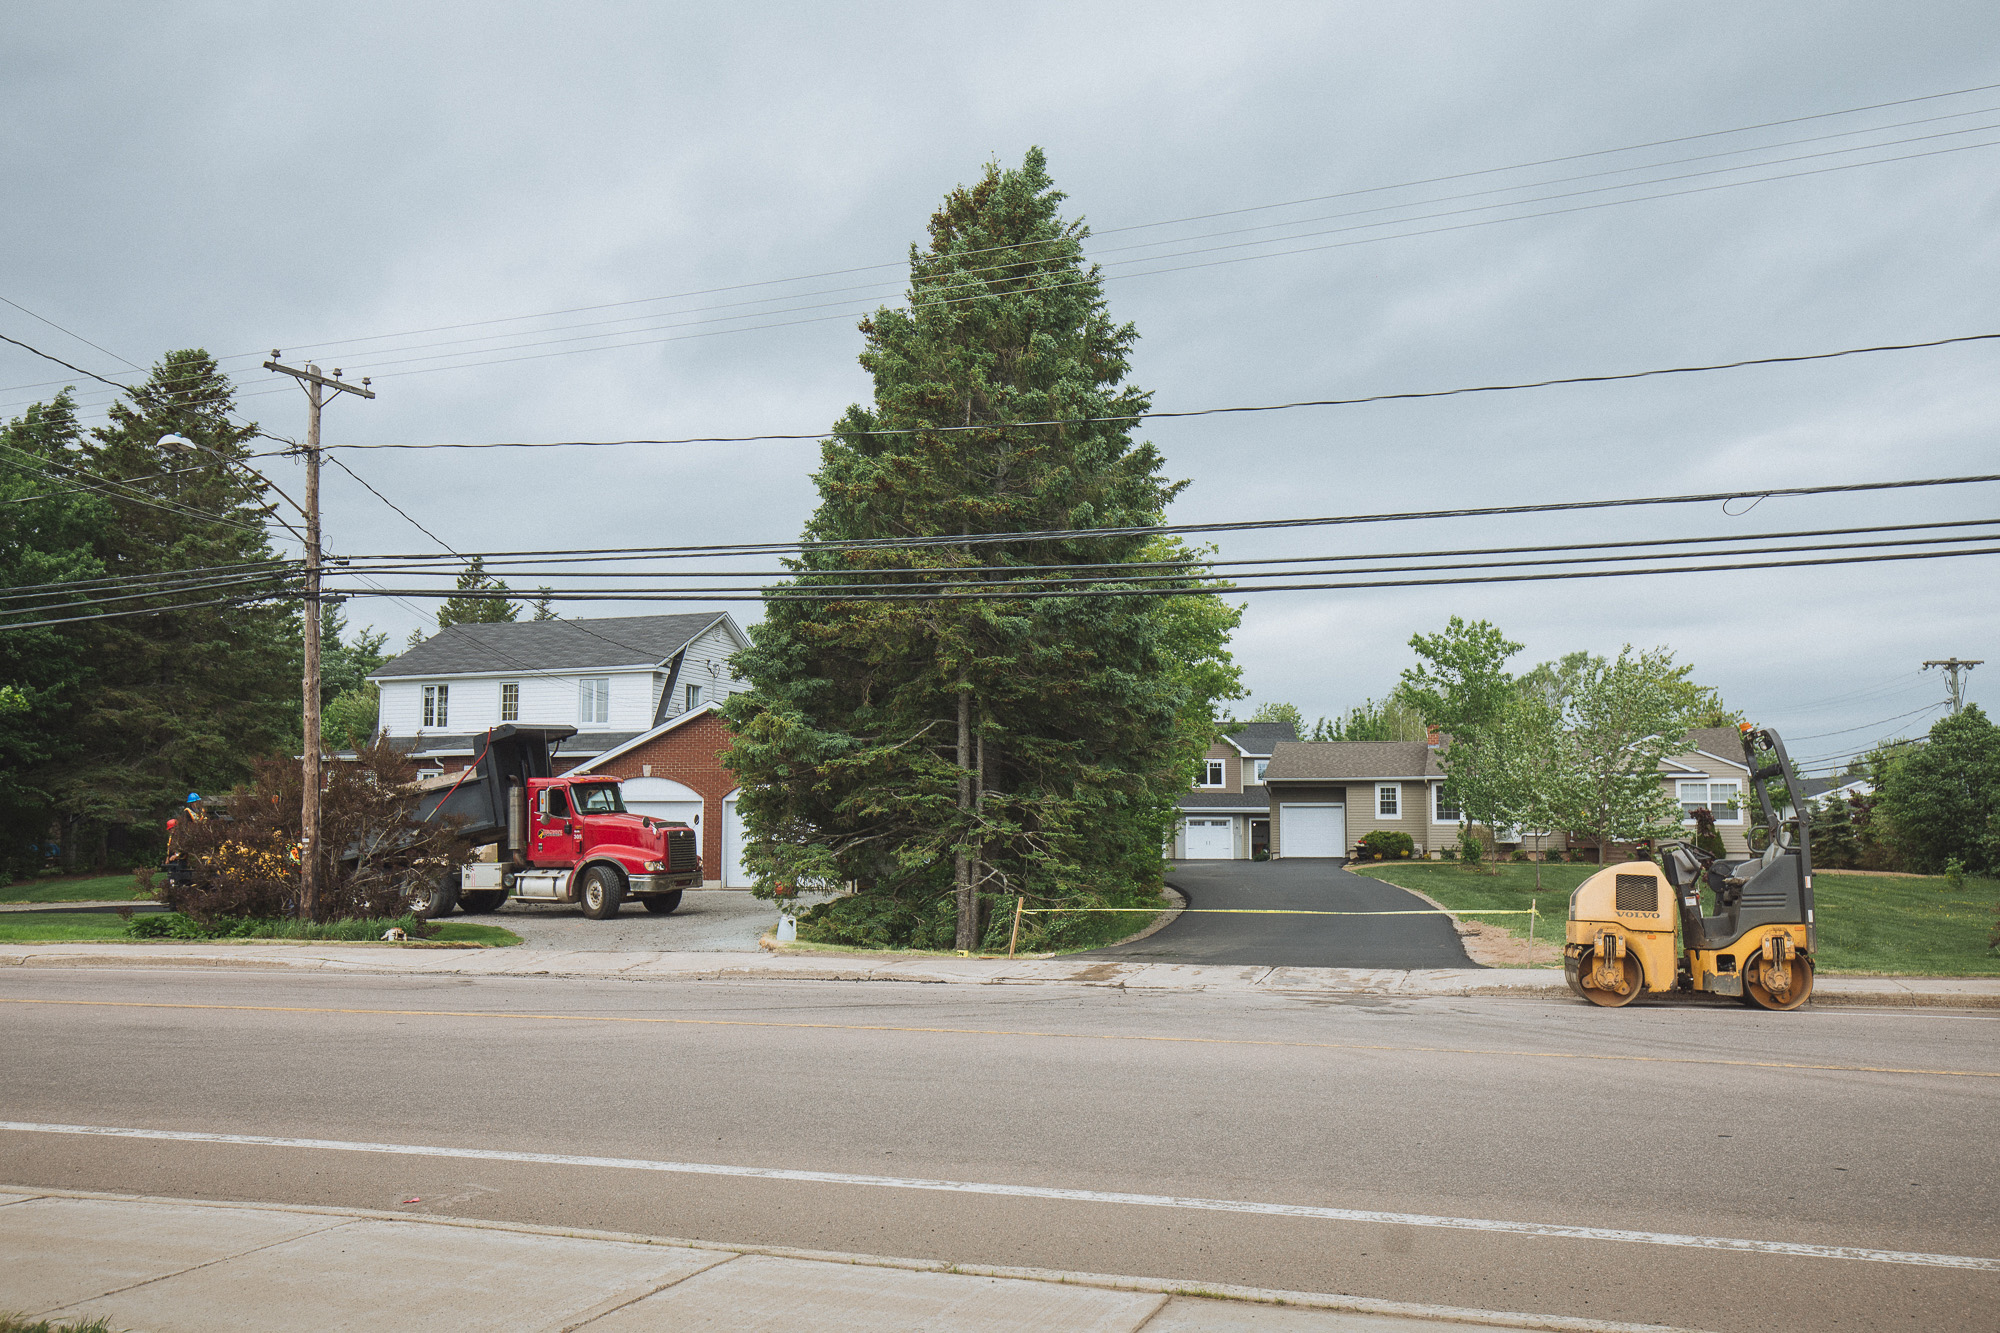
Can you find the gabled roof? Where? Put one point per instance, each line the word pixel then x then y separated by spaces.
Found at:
pixel 1254 739
pixel 642 737
pixel 1724 743
pixel 551 645
pixel 1343 761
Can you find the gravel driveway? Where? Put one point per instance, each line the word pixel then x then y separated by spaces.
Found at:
pixel 707 921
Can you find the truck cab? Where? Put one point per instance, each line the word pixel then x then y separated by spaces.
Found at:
pixel 563 839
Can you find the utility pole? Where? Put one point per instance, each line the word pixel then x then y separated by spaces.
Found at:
pixel 1952 666
pixel 316 386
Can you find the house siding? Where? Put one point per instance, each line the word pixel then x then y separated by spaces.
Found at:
pixel 1735 837
pixel 545 701
pixel 705 662
pixel 1413 812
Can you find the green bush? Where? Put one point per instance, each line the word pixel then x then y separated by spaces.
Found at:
pixel 179 926
pixel 1389 844
pixel 1520 856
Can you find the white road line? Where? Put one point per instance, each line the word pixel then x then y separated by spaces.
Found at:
pixel 1544 1229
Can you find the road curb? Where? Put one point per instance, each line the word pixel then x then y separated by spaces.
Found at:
pixel 638 965
pixel 1332 1302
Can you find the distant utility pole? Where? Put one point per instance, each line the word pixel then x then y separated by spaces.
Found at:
pixel 1952 666
pixel 316 386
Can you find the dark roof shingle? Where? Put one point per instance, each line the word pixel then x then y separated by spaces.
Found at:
pixel 1258 737
pixel 1340 761
pixel 549 645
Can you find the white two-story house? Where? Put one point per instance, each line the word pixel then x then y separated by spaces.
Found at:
pixel 612 680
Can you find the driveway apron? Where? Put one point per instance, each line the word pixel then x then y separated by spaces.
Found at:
pixel 1295 941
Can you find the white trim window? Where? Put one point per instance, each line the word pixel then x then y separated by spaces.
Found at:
pixel 437 706
pixel 1212 774
pixel 1389 800
pixel 1721 798
pixel 1444 810
pixel 1262 764
pixel 593 700
pixel 510 701
pixel 693 697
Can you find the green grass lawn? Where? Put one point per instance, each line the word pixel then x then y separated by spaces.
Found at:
pixel 44 927
pixel 1916 926
pixel 74 889
pixel 68 927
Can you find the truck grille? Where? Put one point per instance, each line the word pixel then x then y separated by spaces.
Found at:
pixel 1638 893
pixel 681 853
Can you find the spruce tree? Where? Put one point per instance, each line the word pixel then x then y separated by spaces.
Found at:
pixel 938 752
pixel 476 610
pixel 48 527
pixel 190 693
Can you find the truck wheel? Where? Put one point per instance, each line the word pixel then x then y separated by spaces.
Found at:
pixel 603 890
pixel 659 904
pixel 436 898
pixel 481 900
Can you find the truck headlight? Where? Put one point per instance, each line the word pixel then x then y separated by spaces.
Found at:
pixel 656 866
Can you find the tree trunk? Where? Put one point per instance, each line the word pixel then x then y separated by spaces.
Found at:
pixel 967 894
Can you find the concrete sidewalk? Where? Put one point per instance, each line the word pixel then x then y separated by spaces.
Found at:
pixel 163 1265
pixel 1948 992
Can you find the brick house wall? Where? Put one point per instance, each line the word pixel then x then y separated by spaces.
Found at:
pixel 690 754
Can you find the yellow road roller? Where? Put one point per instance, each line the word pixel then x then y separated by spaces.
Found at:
pixel 1756 945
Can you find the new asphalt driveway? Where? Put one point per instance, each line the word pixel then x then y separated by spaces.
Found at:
pixel 1295 941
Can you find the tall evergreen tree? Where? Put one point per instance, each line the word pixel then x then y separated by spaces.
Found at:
pixel 48 527
pixel 189 693
pixel 936 752
pixel 476 610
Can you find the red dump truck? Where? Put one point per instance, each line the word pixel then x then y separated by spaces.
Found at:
pixel 553 839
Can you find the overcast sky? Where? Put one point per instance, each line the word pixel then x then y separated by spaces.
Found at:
pixel 245 178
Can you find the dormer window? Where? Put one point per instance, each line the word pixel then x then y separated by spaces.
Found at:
pixel 1212 775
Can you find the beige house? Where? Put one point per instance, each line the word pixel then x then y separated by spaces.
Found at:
pixel 1324 796
pixel 1227 815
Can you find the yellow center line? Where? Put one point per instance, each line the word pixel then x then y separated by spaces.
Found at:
pixel 1008 1032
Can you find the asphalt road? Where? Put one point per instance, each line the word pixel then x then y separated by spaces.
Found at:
pixel 1295 941
pixel 1707 1122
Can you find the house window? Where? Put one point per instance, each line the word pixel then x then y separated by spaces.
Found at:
pixel 437 701
pixel 593 700
pixel 694 697
pixel 1211 775
pixel 1719 797
pixel 1447 805
pixel 510 701
pixel 1262 764
pixel 1389 800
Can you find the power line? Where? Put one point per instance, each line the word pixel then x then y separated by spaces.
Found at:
pixel 1197 217
pixel 196 585
pixel 1166 529
pixel 1880 722
pixel 972 276
pixel 1558 554
pixel 1000 592
pixel 1214 249
pixel 115 615
pixel 947 429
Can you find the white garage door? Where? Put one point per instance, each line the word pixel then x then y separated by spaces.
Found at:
pixel 733 874
pixel 1210 840
pixel 1312 830
pixel 663 799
